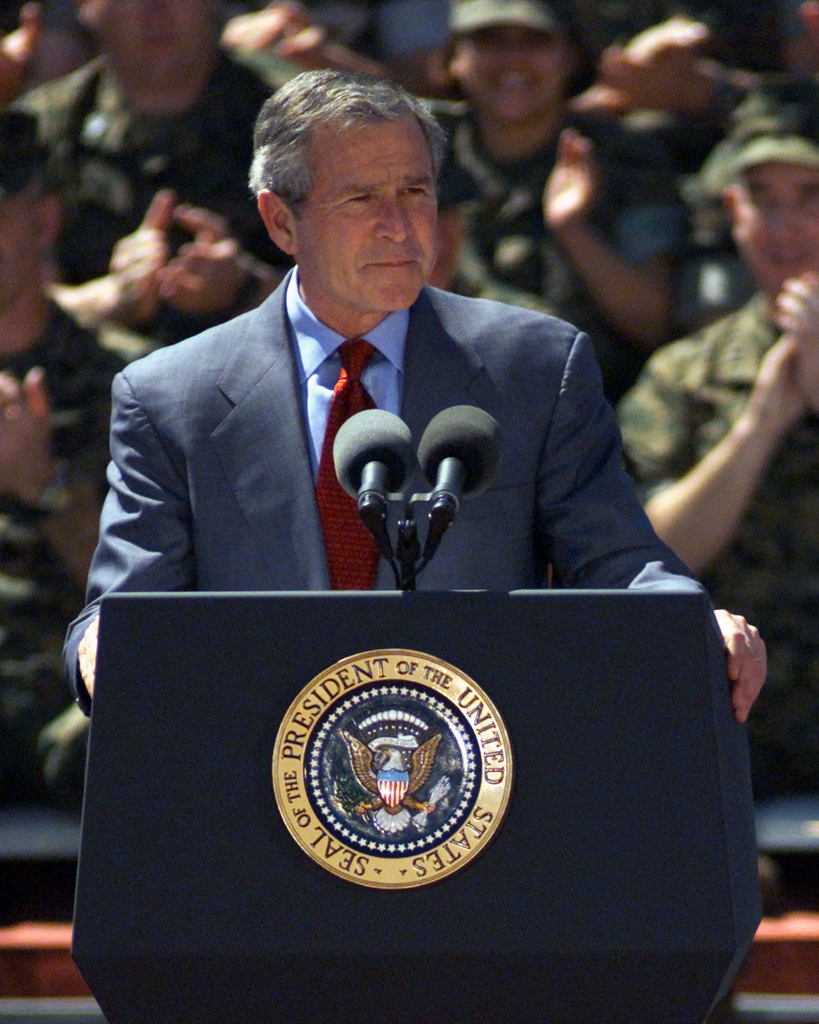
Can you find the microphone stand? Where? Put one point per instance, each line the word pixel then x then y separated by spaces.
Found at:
pixel 408 550
pixel 406 557
pixel 458 444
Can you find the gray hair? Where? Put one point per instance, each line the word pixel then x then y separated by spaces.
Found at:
pixel 327 99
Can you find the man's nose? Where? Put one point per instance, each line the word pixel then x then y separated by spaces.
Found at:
pixel 393 220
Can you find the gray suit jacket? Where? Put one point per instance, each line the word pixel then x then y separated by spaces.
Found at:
pixel 211 486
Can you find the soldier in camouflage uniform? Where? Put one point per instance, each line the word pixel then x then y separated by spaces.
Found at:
pixel 55 382
pixel 581 213
pixel 162 112
pixel 722 429
pixel 691 74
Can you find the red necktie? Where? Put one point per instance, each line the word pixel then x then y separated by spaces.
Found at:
pixel 352 554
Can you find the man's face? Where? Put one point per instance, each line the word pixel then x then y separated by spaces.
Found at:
pixel 775 217
pixel 511 73
pixel 364 240
pixel 162 40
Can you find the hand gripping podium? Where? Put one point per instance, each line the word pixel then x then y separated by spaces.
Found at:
pixel 620 886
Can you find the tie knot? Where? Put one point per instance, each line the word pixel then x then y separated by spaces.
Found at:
pixel 355 354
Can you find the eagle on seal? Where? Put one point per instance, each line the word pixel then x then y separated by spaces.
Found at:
pixel 392 775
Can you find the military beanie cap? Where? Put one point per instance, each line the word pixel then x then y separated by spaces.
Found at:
pixel 777 122
pixel 471 15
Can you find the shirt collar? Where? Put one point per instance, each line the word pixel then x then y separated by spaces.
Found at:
pixel 316 341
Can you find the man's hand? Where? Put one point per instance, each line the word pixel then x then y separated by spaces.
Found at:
pixel 266 28
pixel 777 400
pixel 87 652
pixel 286 29
pixel 207 274
pixel 571 190
pixel 17 50
pixel 136 264
pixel 797 313
pixel 661 68
pixel 27 464
pixel 746 661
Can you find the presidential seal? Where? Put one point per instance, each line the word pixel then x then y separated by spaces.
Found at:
pixel 392 769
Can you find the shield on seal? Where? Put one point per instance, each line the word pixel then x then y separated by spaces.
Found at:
pixel 392 786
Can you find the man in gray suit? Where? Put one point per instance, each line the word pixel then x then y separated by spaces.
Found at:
pixel 216 441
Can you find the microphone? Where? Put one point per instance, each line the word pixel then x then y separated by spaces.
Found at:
pixel 372 454
pixel 459 456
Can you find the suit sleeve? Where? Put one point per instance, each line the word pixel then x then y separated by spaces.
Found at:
pixel 145 539
pixel 594 527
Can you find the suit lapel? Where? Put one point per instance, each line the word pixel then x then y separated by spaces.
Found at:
pixel 262 445
pixel 440 370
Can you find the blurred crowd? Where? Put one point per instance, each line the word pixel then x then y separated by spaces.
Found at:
pixel 646 169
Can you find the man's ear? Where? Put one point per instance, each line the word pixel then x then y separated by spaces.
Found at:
pixel 730 199
pixel 279 220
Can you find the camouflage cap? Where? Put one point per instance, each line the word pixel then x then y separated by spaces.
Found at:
pixel 22 156
pixel 470 15
pixel 777 122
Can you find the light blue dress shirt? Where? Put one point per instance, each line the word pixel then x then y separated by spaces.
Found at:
pixel 320 365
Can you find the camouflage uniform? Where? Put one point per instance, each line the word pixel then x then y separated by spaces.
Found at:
pixel 38 597
pixel 509 246
pixel 688 397
pixel 107 163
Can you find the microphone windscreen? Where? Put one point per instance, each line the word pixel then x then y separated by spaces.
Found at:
pixel 467 433
pixel 373 435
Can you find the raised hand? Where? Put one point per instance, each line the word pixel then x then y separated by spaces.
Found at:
pixel 17 50
pixel 571 191
pixel 797 313
pixel 206 274
pixel 27 464
pixel 137 262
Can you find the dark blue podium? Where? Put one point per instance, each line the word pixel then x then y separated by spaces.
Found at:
pixel 621 888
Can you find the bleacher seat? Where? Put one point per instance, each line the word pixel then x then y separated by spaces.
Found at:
pixel 50 1011
pixel 788 824
pixel 38 833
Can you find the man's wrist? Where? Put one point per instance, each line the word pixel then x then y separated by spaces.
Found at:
pixel 55 497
